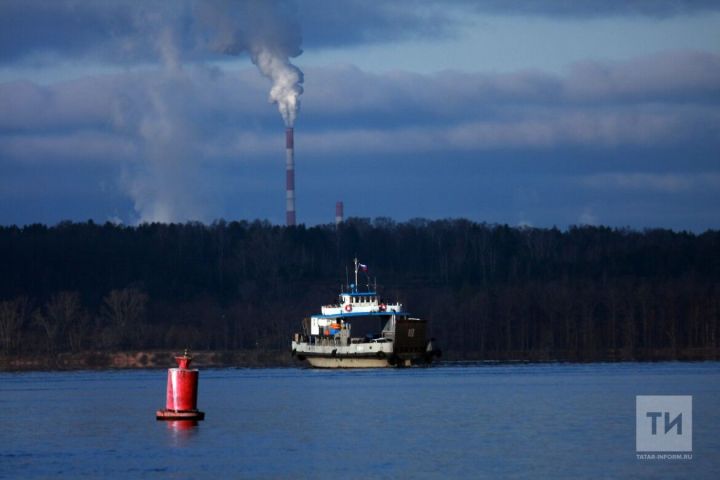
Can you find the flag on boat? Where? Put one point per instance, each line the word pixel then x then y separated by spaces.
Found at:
pixel 362 267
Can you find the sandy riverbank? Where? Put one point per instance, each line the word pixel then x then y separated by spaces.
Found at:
pixel 144 359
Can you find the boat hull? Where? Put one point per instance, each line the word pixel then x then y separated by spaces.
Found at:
pixel 348 362
pixel 361 360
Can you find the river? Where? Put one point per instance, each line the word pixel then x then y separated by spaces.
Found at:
pixel 447 421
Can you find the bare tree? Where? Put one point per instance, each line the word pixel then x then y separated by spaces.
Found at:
pixel 62 320
pixel 13 316
pixel 123 316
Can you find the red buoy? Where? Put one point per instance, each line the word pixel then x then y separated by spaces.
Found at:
pixel 182 385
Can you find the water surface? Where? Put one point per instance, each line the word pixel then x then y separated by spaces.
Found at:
pixel 456 421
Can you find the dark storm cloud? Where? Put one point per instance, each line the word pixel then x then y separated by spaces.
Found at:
pixel 113 31
pixel 124 31
pixel 127 31
pixel 36 26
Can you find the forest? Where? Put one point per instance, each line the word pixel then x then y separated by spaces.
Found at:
pixel 489 292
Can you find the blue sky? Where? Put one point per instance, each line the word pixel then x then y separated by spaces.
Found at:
pixel 523 112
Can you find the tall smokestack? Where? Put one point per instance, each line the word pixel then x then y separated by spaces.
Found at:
pixel 339 213
pixel 290 176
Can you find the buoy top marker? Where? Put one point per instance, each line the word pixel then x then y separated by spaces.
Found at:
pixel 184 360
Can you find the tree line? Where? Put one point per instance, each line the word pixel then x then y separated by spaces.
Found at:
pixel 488 291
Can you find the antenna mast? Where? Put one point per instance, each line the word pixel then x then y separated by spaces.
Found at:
pixel 356 270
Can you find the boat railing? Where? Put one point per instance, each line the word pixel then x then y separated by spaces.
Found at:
pixel 334 341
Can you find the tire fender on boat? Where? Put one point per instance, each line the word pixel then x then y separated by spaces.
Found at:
pixel 348 308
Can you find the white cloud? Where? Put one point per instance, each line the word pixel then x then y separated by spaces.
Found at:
pixel 347 108
pixel 588 217
pixel 665 183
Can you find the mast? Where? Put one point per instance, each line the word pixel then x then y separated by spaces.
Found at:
pixel 356 271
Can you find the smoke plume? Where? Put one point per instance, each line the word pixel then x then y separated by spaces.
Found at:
pixel 268 32
pixel 158 113
pixel 163 182
pixel 286 79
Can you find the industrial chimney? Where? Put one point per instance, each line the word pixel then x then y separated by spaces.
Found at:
pixel 339 213
pixel 290 174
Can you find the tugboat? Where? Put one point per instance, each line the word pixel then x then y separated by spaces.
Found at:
pixel 363 331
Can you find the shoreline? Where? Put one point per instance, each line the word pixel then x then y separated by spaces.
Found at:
pixel 162 359
pixel 144 359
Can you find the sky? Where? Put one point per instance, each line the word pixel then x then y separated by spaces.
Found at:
pixel 527 112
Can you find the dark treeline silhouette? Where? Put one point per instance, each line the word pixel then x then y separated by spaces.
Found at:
pixel 488 291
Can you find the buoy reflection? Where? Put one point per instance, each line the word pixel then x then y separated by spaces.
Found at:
pixel 181 432
pixel 182 425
